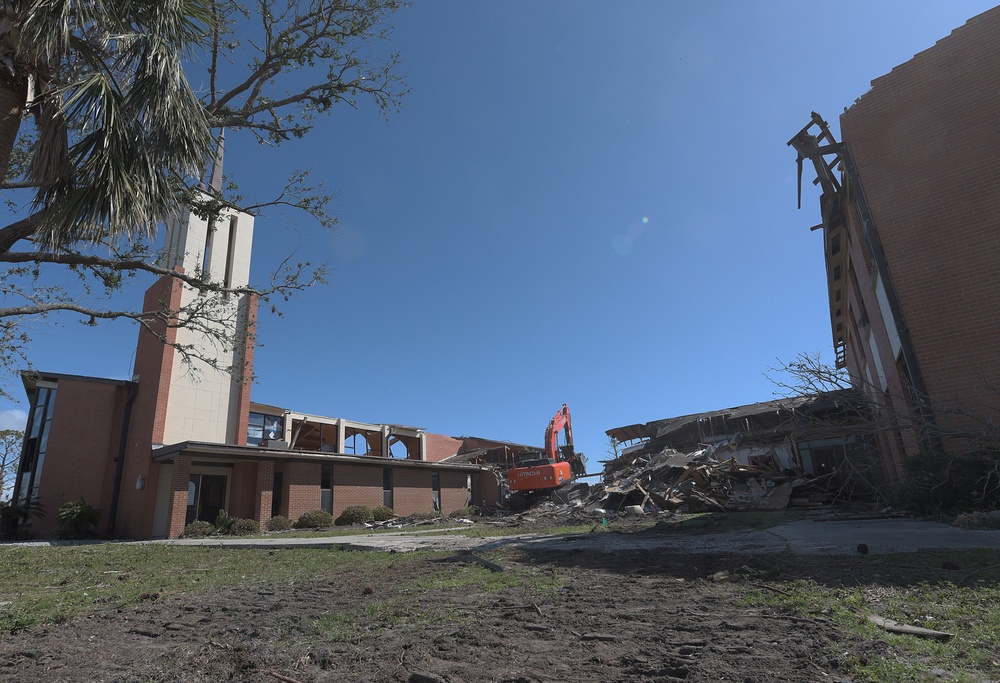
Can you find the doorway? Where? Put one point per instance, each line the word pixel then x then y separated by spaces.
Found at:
pixel 206 497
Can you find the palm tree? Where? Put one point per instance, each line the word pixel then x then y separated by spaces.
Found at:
pixel 114 122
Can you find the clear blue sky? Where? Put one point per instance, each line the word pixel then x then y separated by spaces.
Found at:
pixel 580 202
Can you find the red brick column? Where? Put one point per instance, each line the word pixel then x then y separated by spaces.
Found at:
pixel 265 491
pixel 177 505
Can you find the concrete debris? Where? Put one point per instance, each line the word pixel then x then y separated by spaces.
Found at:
pixel 704 481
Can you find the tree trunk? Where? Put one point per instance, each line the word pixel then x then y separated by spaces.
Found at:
pixel 13 99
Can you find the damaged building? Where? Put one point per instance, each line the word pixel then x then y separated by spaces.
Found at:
pixel 795 452
pixel 182 440
pixel 909 199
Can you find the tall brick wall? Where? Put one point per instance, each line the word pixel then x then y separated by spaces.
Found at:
pixel 924 138
pixel 81 450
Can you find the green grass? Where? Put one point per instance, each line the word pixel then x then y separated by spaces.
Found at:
pixel 53 584
pixel 911 589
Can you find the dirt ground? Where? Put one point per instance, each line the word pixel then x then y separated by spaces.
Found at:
pixel 579 616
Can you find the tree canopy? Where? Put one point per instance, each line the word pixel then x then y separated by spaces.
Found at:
pixel 110 112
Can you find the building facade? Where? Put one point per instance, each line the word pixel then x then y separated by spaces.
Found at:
pixel 910 199
pixel 181 440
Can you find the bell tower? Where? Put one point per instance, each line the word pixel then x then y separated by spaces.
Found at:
pixel 203 370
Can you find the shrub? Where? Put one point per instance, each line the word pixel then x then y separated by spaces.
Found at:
pixel 278 523
pixel 11 515
pixel 224 522
pixel 382 513
pixel 355 514
pixel 199 529
pixel 244 527
pixel 468 512
pixel 314 519
pixel 76 518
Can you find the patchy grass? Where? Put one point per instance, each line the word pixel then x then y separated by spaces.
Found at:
pixel 954 592
pixel 52 584
pixel 414 604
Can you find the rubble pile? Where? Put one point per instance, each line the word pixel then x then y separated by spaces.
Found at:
pixel 703 482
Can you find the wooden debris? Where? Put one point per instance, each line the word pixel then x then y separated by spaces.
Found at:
pixel 492 566
pixel 896 627
pixel 701 481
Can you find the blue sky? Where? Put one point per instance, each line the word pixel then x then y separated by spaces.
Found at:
pixel 579 203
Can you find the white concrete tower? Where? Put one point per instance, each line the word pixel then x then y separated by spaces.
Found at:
pixel 205 395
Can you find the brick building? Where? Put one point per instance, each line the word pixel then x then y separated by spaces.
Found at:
pixel 910 203
pixel 182 440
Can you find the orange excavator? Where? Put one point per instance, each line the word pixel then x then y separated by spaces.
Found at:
pixel 540 474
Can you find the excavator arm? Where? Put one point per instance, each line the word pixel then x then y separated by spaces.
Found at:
pixel 563 422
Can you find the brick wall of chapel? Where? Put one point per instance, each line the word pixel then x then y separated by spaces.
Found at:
pixel 924 138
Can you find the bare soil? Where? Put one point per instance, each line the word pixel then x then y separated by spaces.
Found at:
pixel 583 616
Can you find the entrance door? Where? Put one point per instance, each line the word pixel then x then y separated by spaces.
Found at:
pixel 206 497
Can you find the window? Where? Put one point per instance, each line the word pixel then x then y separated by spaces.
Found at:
pixel 263 427
pixel 206 263
pixel 30 471
pixel 230 253
pixel 326 488
pixel 387 487
pixel 436 491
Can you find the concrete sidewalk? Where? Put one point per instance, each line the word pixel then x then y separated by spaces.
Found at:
pixel 803 537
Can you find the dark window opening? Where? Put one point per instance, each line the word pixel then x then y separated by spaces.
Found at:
pixel 206 497
pixel 206 264
pixel 436 491
pixel 326 487
pixel 276 494
pixel 230 253
pixel 387 487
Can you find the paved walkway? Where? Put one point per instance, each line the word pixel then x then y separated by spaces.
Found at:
pixel 802 537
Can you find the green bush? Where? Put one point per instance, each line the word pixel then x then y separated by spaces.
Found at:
pixel 278 523
pixel 355 514
pixel 466 513
pixel 244 527
pixel 224 522
pixel 314 519
pixel 77 518
pixel 199 529
pixel 382 513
